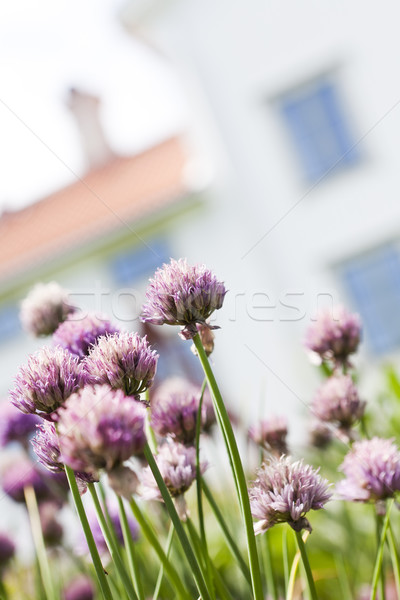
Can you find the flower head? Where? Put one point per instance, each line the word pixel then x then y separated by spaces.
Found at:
pixel 124 361
pixel 180 294
pixel 284 492
pixel 46 381
pixel 51 529
pixel 100 428
pixel 177 465
pixel 174 409
pixel 15 426
pixel 45 307
pixel 7 550
pixel 334 336
pixel 80 588
pixel 80 331
pixel 337 401
pixel 271 434
pixel 46 445
pixel 372 469
pixel 20 474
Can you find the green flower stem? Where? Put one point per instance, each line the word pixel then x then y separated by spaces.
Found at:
pixel 395 559
pixel 306 564
pixel 152 538
pixel 293 571
pixel 131 551
pixel 202 556
pixel 161 571
pixel 378 575
pixel 113 549
pixel 37 534
pixel 107 512
pixel 269 574
pixel 103 583
pixel 199 485
pixel 285 557
pixel 225 530
pixel 236 463
pixel 190 556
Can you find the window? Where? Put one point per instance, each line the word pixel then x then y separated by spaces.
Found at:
pixel 318 128
pixel 136 263
pixel 373 282
pixel 9 323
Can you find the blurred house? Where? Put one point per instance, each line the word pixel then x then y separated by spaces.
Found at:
pixel 101 237
pixel 297 109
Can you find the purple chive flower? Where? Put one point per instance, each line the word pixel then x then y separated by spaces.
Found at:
pixel 337 401
pixel 177 464
pixel 284 492
pixel 100 428
pixel 97 533
pixel 174 408
pixel 45 307
pixel 320 434
pixel 180 294
pixel 372 470
pixel 51 528
pixel 46 445
pixel 271 434
pixel 80 588
pixel 80 331
pixel 335 335
pixel 124 361
pixel 46 381
pixel 7 550
pixel 20 474
pixel 15 426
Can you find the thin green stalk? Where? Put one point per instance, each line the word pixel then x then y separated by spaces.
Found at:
pixel 343 578
pixel 292 576
pixel 395 559
pixel 225 530
pixel 107 512
pixel 161 571
pixel 379 555
pixel 306 564
pixel 191 558
pixel 130 550
pixel 201 556
pixel 37 534
pixel 285 557
pixel 222 590
pixel 199 486
pixel 113 549
pixel 103 583
pixel 151 537
pixel 236 463
pixel 269 574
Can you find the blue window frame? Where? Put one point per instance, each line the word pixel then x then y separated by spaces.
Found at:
pixel 373 282
pixel 136 263
pixel 319 129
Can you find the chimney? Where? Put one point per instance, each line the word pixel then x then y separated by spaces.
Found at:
pixel 85 109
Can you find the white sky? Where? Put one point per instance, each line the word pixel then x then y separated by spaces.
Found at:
pixel 48 46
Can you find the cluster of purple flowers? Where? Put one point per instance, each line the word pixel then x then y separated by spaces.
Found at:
pixel 45 307
pixel 174 410
pixel 180 294
pixel 271 434
pixel 284 492
pixel 337 401
pixel 335 335
pixel 80 332
pixel 372 470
